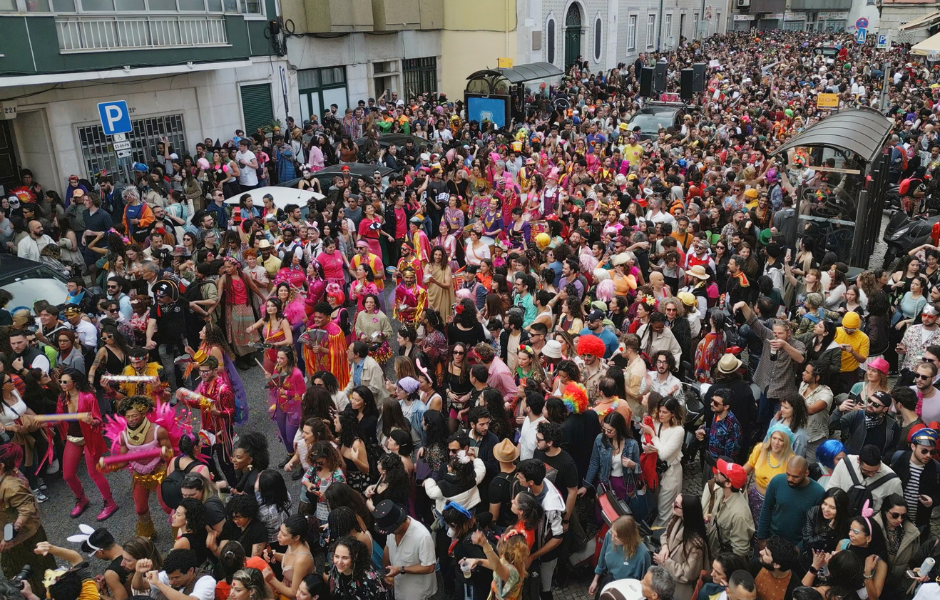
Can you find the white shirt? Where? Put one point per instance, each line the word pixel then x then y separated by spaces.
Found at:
pixel 416 548
pixel 87 334
pixel 527 442
pixel 31 248
pixel 247 175
pixel 203 590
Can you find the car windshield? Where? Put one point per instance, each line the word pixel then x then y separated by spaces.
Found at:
pixel 651 122
pixel 27 290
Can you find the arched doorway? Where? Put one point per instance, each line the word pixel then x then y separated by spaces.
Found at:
pixel 572 35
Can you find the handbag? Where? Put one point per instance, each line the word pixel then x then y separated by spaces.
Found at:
pixel 661 466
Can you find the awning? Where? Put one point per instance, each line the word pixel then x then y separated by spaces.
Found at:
pixel 921 22
pixel 926 47
pixel 520 73
pixel 20 80
pixel 862 131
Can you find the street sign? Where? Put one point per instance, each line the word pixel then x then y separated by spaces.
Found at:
pixel 504 63
pixel 123 153
pixel 119 137
pixel 827 101
pixel 861 23
pixel 122 145
pixel 884 41
pixel 860 35
pixel 115 118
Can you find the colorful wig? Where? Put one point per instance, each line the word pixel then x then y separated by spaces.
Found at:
pixel 591 344
pixel 574 395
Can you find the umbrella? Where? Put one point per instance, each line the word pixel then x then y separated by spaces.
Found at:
pixel 282 196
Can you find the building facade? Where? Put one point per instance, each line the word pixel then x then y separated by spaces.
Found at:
pixel 187 69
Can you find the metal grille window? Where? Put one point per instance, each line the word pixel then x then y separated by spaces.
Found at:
pixel 97 152
pixel 550 32
pixel 420 75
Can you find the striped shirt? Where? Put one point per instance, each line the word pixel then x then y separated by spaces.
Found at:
pixel 912 490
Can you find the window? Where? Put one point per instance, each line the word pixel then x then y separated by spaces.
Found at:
pixel 651 31
pixel 420 76
pixel 631 33
pixel 667 28
pixel 386 76
pixel 551 40
pixel 597 39
pixel 718 23
pixel 319 88
pixel 98 154
pixel 694 26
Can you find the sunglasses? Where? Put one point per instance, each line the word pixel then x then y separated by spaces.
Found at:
pixel 923 377
pixel 897 515
pixel 459 352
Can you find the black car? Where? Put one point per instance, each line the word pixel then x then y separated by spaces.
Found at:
pixel 30 281
pixel 398 139
pixel 654 116
pixel 326 175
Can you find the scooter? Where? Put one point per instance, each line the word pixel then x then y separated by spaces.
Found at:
pixel 904 233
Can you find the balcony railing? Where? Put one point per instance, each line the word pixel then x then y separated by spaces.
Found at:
pixel 94 34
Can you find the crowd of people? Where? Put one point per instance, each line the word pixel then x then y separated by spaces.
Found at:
pixel 518 342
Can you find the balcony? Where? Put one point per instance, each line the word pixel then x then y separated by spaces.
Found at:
pixel 401 15
pixel 330 16
pixel 95 34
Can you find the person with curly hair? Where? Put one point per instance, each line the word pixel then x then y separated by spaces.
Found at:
pixel 352 574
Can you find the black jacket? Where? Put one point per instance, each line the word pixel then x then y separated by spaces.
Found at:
pixel 854 433
pixel 929 484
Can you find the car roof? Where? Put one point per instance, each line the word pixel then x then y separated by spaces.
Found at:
pixel 363 170
pixel 398 139
pixel 14 267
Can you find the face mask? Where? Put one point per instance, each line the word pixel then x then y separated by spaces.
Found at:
pixel 451 532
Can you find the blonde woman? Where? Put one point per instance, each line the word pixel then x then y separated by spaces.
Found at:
pixel 508 563
pixel 767 460
pixel 623 555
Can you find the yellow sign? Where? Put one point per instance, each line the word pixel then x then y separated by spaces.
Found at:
pixel 827 101
pixel 504 63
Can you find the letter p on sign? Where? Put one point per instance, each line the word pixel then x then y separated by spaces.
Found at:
pixel 115 118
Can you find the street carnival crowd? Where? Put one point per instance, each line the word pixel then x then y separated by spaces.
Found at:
pixel 487 358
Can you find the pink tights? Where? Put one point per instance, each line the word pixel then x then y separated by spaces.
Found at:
pixel 70 459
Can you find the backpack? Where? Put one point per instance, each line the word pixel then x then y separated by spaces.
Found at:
pixel 860 493
pixel 902 157
pixel 170 486
pixel 905 186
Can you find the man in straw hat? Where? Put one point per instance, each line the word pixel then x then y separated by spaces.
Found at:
pixel 741 403
pixel 501 487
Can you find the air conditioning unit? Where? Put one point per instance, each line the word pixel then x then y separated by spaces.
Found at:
pixel 671 42
pixel 742 3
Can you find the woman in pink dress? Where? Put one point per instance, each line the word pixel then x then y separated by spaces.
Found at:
pixel 447 241
pixel 234 292
pixel 333 262
pixel 286 390
pixel 369 229
pixel 363 286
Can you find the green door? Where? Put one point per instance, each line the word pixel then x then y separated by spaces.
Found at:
pixel 256 106
pixel 572 35
pixel 572 45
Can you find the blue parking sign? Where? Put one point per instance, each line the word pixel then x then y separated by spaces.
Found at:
pixel 115 118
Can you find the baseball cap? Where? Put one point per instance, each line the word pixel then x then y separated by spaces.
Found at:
pixel 734 472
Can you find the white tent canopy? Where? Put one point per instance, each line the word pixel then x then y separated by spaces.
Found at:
pixel 922 22
pixel 282 196
pixel 927 47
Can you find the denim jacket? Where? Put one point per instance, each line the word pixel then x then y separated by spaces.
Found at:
pixel 601 459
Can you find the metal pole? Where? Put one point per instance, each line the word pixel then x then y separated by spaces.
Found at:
pixel 883 102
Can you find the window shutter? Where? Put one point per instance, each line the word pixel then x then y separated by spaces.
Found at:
pixel 256 106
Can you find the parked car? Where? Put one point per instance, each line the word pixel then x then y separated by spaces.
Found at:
pixel 30 281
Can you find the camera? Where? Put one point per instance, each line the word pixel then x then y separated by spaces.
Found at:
pixel 20 577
